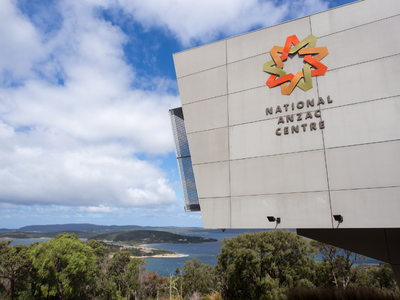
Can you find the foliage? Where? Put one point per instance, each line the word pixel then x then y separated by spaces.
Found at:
pixel 340 261
pixel 323 274
pixel 153 285
pixel 198 277
pixel 99 249
pixel 175 284
pixel 361 277
pixel 14 265
pixel 381 277
pixel 331 293
pixel 105 288
pixel 65 266
pixel 125 272
pixel 263 264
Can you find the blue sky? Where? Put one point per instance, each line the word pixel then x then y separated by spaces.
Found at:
pixel 85 88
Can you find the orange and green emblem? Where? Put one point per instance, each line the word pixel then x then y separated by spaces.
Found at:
pixel 289 81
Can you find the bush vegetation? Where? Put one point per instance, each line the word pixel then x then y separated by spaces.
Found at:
pixel 261 265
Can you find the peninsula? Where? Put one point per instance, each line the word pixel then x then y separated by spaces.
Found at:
pixel 134 241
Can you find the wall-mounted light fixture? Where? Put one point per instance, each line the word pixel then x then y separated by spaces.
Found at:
pixel 339 219
pixel 273 219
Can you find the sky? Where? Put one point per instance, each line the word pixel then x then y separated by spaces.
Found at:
pixel 85 89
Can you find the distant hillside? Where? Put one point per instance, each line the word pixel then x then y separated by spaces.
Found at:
pixel 101 228
pixel 77 227
pixel 138 237
pixel 89 230
pixel 219 231
pixel 6 229
pixel 82 228
pixel 38 235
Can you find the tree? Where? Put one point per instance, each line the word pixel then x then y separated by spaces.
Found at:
pixel 118 268
pixel 153 285
pixel 323 275
pixel 105 287
pixel 176 283
pixel 198 277
pixel 125 272
pixel 340 261
pixel 262 265
pixel 383 277
pixel 65 267
pixel 14 265
pixel 361 277
pixel 100 251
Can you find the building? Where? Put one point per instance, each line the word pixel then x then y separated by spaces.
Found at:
pixel 301 122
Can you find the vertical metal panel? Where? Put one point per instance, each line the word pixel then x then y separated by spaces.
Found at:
pixel 184 160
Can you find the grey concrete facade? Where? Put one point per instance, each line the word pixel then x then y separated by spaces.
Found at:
pixel 349 166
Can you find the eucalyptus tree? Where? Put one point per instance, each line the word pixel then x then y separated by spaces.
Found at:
pixel 263 265
pixel 125 271
pixel 66 268
pixel 14 268
pixel 340 260
pixel 198 277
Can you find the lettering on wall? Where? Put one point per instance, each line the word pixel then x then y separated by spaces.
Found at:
pixel 299 117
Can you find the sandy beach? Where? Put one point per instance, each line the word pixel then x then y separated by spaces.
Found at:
pixel 171 255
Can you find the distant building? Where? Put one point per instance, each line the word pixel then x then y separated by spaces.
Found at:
pixel 301 122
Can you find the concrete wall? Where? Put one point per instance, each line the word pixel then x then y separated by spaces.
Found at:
pixel 244 171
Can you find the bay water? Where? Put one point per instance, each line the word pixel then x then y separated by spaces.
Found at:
pixel 206 252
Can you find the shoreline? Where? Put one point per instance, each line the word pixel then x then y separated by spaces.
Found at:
pixel 146 249
pixel 167 255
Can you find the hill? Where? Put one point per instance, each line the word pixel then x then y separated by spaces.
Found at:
pixel 38 235
pixel 92 228
pixel 84 227
pixel 138 237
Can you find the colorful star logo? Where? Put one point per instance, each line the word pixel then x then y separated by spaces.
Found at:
pixel 289 81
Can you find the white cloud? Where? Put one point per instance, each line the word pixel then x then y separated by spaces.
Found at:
pixel 75 144
pixel 154 193
pixel 20 45
pixel 89 176
pixel 97 209
pixel 191 20
pixel 5 130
